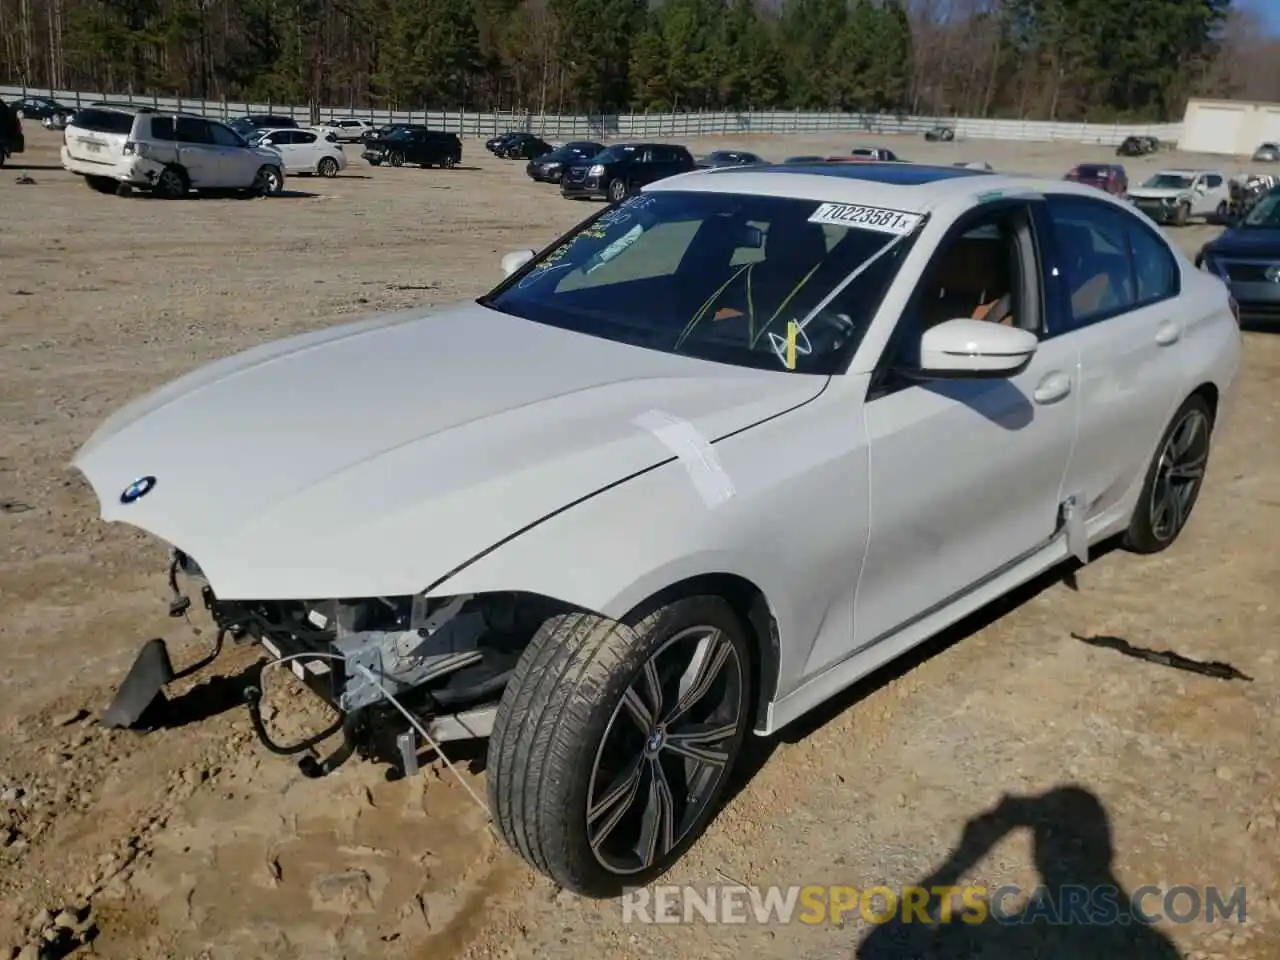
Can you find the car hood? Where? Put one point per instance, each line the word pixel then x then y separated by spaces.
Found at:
pixel 372 459
pixel 1157 193
pixel 1249 242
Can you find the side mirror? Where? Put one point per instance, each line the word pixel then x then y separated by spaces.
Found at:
pixel 978 349
pixel 514 260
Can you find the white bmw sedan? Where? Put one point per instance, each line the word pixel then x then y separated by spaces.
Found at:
pixel 707 459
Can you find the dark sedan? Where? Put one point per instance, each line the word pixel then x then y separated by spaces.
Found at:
pixel 42 108
pixel 550 167
pixel 1109 177
pixel 728 158
pixel 523 146
pixel 1247 258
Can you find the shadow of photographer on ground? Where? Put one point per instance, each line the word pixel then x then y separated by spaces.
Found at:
pixel 1073 853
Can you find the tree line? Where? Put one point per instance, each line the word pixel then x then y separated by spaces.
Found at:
pixel 1086 60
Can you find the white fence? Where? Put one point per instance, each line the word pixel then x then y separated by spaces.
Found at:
pixel 646 125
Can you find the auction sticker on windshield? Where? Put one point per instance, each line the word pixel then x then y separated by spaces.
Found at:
pixel 882 219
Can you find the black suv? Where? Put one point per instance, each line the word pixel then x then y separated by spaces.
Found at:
pixel 12 139
pixel 621 169
pixel 427 148
pixel 494 144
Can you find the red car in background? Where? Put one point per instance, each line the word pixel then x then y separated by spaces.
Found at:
pixel 1105 176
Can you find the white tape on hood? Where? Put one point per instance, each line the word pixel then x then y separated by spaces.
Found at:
pixel 694 452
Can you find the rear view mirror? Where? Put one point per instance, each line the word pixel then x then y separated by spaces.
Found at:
pixel 964 348
pixel 750 238
pixel 514 260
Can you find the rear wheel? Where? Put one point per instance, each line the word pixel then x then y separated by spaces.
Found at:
pixel 327 167
pixel 102 184
pixel 1173 480
pixel 613 744
pixel 171 184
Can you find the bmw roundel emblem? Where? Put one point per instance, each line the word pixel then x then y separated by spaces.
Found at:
pixel 138 489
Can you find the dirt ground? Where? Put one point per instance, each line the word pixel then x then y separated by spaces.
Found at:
pixel 195 843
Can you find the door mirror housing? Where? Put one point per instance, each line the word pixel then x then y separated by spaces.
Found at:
pixel 514 260
pixel 974 349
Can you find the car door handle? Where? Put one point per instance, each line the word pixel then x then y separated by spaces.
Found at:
pixel 1052 388
pixel 1168 333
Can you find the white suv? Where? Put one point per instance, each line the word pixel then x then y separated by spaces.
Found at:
pixel 168 154
pixel 347 129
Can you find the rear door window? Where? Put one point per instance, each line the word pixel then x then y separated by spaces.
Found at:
pixel 162 128
pixel 192 130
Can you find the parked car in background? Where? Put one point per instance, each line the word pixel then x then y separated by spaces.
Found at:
pixel 493 144
pixel 1176 196
pixel 166 153
pixel 707 460
pixel 387 129
pixel 426 148
pixel 306 151
pixel 940 134
pixel 728 158
pixel 523 146
pixel 12 139
pixel 622 168
pixel 805 158
pixel 1267 153
pixel 1137 146
pixel 48 111
pixel 550 167
pixel 1247 258
pixel 1109 177
pixel 875 153
pixel 1246 189
pixel 251 124
pixel 347 129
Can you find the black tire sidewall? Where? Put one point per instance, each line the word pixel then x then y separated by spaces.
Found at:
pixel 565 831
pixel 1139 538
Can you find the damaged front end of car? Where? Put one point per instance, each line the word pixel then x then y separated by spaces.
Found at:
pixel 402 674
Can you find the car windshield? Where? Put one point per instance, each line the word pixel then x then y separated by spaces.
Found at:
pixel 1265 214
pixel 614 153
pixel 1169 181
pixel 745 280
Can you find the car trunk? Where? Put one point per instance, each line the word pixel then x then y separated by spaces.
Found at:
pixel 98 136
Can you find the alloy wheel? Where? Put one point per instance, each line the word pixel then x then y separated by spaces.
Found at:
pixel 1179 474
pixel 665 750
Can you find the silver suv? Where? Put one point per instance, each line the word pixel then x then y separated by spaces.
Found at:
pixel 119 148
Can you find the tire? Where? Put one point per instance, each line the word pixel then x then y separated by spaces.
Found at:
pixel 1173 480
pixel 395 158
pixel 327 167
pixel 617 191
pixel 102 184
pixel 268 182
pixel 59 120
pixel 566 718
pixel 172 183
pixel 449 163
pixel 1222 212
pixel 1182 215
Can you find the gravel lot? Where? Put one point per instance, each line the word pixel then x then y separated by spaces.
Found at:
pixel 193 842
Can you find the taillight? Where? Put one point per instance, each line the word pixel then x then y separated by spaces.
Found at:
pixel 135 149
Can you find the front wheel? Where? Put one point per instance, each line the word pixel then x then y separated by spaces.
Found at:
pixel 396 158
pixel 617 191
pixel 1173 480
pixel 268 182
pixel 1182 215
pixel 612 744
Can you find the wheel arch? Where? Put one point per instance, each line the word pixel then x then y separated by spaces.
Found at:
pixel 753 610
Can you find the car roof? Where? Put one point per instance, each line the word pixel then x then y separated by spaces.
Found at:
pixel 911 187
